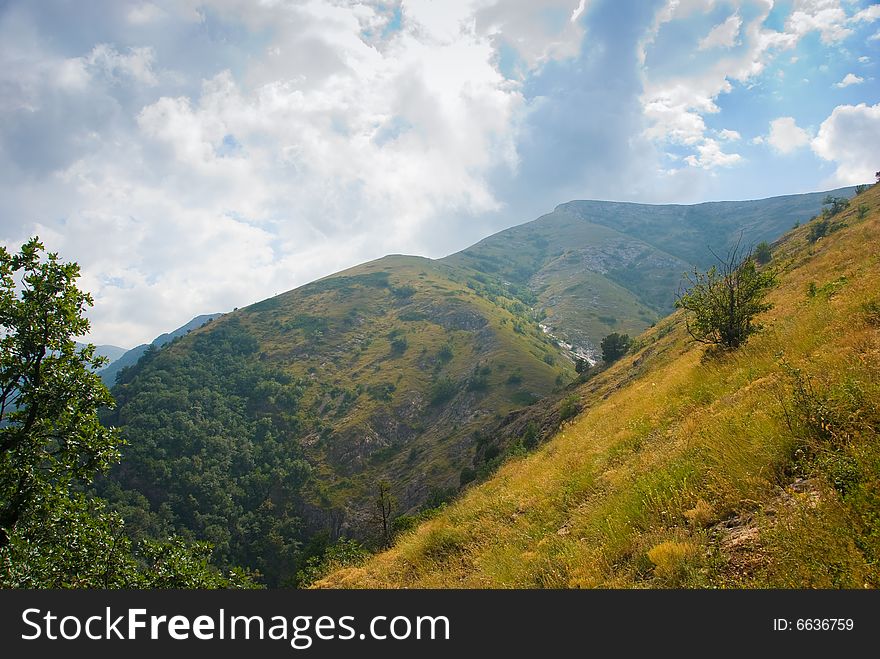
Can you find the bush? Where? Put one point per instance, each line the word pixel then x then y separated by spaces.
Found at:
pixel 763 254
pixel 818 229
pixel 442 391
pixel 614 346
pixel 570 408
pixel 721 304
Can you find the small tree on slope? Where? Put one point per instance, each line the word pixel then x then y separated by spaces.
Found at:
pixel 720 304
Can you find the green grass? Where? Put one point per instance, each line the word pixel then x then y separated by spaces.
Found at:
pixel 755 468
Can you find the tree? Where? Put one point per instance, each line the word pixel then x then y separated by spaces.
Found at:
pixel 614 346
pixel 50 436
pixel 581 365
pixel 385 503
pixel 720 304
pixel 52 444
pixel 763 253
pixel 835 205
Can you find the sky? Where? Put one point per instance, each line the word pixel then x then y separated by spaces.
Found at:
pixel 194 156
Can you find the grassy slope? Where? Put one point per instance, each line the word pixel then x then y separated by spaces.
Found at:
pixel 756 468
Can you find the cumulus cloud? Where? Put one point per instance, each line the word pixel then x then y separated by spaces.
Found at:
pixel 336 132
pixel 828 17
pixel 710 156
pixel 786 136
pixel 723 35
pixel 677 103
pixel 729 135
pixel 849 79
pixel 850 137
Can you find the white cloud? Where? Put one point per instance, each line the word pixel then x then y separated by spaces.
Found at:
pixel 336 142
pixel 729 135
pixel 875 36
pixel 864 59
pixel 867 15
pixel 850 137
pixel 723 35
pixel 144 13
pixel 711 156
pixel 849 79
pixel 828 17
pixel 786 136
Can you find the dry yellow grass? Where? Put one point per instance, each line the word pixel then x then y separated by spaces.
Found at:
pixel 678 475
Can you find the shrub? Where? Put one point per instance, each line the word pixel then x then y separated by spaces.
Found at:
pixel 399 345
pixel 818 229
pixel 721 304
pixel 763 254
pixel 614 346
pixel 443 390
pixel 569 408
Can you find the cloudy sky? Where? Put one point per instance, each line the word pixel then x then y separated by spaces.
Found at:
pixel 197 156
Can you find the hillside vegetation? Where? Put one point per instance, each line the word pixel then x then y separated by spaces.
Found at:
pixel 758 467
pixel 270 431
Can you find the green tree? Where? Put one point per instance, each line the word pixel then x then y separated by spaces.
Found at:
pixel 763 253
pixel 614 346
pixel 835 205
pixel 50 435
pixel 721 304
pixel 52 444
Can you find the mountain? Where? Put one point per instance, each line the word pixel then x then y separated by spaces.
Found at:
pixel 597 267
pixel 273 429
pixel 122 358
pixel 693 468
pixel 110 352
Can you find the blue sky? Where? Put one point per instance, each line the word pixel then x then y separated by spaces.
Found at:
pixel 197 156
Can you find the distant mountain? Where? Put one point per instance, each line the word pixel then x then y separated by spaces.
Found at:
pixel 273 426
pixel 125 358
pixel 110 352
pixel 598 267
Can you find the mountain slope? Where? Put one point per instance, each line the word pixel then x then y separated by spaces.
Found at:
pixel 755 468
pixel 126 358
pixel 110 352
pixel 275 426
pixel 596 267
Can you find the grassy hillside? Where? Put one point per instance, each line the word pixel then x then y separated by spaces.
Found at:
pixel 272 429
pixel 755 468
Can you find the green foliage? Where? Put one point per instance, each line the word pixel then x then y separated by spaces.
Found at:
pixel 445 354
pixel 763 253
pixel 530 436
pixel 53 445
pixel 834 205
pixel 570 407
pixel 548 359
pixel 721 304
pixel 399 344
pixel 345 552
pixel 403 292
pixel 863 211
pixel 216 456
pixel 581 365
pixel 862 188
pixel 442 390
pixel 818 229
pixel 614 346
pixel 50 436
